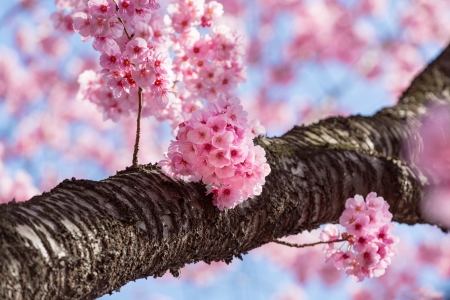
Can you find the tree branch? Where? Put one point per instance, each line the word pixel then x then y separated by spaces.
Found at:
pixel 85 238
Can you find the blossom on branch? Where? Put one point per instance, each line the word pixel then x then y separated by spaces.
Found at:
pixel 216 146
pixel 370 242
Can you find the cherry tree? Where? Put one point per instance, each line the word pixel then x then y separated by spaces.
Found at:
pixel 147 90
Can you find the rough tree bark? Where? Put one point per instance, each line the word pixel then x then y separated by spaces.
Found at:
pixel 86 238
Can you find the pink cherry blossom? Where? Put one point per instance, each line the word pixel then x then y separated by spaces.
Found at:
pixel 210 74
pixel 188 151
pixel 217 123
pixel 103 44
pixel 368 258
pixel 115 29
pixel 341 259
pixel 236 116
pixel 202 165
pixel 126 9
pixel 163 97
pixel 205 149
pixel 371 243
pixel 359 226
pixel 330 233
pixel 227 80
pixel 213 11
pixel 219 158
pixel 142 15
pixel 110 58
pixel 362 241
pixel 101 8
pixel 62 22
pixel 357 203
pixel 179 165
pixel 225 172
pixel 227 197
pixel 374 202
pixel 200 134
pixel 256 128
pixel 222 140
pixel 348 217
pixel 200 49
pixel 353 268
pixel 82 24
pixel 215 145
pixel 144 75
pixel 161 63
pixel 238 154
pixel 99 26
pixel 125 62
pixel 137 50
pixel 181 21
pixel 144 31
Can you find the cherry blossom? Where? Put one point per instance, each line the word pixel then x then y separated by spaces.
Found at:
pixel 211 148
pixel 370 245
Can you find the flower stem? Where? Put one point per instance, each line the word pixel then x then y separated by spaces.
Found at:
pixel 306 245
pixel 138 121
pixel 125 29
pixel 138 130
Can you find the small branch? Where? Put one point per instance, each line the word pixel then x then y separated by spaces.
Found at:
pixel 125 28
pixel 138 121
pixel 138 130
pixel 307 245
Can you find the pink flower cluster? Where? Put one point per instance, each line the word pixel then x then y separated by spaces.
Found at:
pixel 95 89
pixel 128 62
pixel 371 243
pixel 210 64
pixel 206 62
pixel 136 45
pixel 216 146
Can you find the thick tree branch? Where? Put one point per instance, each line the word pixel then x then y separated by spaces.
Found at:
pixel 85 238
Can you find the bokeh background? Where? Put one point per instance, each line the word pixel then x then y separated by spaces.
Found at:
pixel 305 59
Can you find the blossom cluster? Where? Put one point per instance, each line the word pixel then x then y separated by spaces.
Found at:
pixel 216 146
pixel 370 242
pixel 207 62
pixel 210 64
pixel 128 61
pixel 136 44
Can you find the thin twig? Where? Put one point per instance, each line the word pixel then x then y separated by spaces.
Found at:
pixel 307 245
pixel 138 130
pixel 125 28
pixel 121 21
pixel 138 121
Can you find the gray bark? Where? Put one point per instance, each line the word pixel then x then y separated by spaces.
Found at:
pixel 85 238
